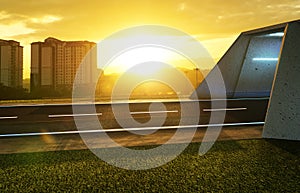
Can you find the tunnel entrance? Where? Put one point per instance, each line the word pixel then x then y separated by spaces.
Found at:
pixel 259 65
pixel 248 67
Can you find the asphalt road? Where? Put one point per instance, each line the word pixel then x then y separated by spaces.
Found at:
pixel 60 117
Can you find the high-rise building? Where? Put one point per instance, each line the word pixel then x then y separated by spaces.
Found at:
pixel 11 63
pixel 54 64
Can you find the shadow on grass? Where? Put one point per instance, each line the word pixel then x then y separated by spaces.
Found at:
pixel 57 157
pixel 46 158
pixel 292 147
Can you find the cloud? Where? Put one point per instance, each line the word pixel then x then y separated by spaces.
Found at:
pixel 236 15
pixel 4 15
pixel 13 25
pixel 15 29
pixel 45 19
pixel 97 19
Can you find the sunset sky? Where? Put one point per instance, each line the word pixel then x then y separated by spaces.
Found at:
pixel 215 23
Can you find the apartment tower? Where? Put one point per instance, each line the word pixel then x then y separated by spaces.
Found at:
pixel 54 64
pixel 11 64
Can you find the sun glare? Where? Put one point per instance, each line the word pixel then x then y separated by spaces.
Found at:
pixel 127 60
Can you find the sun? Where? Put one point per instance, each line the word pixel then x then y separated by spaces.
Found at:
pixel 132 57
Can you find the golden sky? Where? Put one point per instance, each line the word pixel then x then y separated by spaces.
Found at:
pixel 215 23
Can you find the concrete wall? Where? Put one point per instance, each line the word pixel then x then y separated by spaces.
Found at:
pixel 230 66
pixel 283 116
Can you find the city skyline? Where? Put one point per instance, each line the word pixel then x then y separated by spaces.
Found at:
pixel 215 24
pixel 53 64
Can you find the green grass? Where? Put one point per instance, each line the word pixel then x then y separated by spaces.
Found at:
pixel 230 166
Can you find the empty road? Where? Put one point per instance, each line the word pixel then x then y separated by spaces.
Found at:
pixel 59 118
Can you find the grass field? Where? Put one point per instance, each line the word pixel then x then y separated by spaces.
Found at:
pixel 230 166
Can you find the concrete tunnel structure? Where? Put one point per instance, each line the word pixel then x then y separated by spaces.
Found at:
pixel 265 62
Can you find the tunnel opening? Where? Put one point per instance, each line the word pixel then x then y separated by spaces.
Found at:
pixel 259 65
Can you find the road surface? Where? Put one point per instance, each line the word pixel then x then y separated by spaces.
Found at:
pixel 18 120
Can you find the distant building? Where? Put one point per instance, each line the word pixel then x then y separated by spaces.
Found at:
pixel 11 63
pixel 54 64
